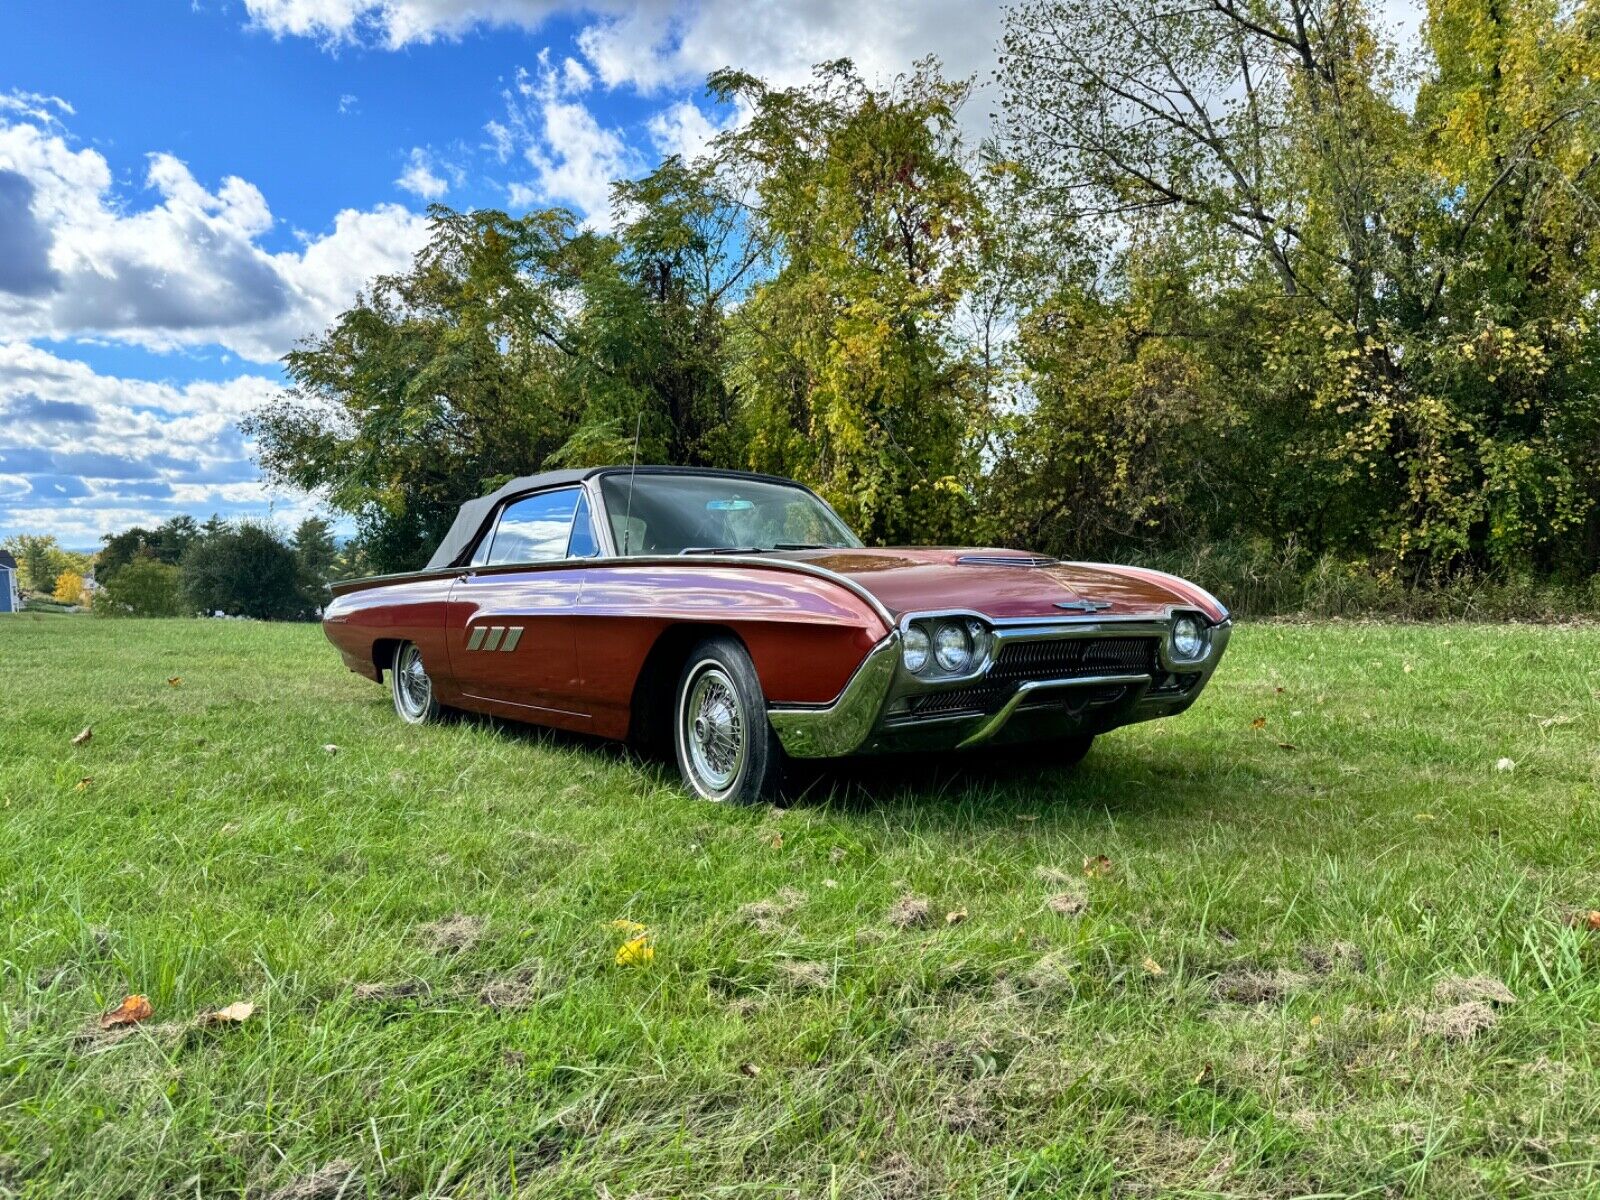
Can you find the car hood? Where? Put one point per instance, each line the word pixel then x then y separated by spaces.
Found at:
pixel 1005 584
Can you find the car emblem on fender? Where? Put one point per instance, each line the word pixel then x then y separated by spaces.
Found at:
pixel 1088 606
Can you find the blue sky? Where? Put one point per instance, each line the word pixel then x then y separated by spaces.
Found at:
pixel 188 189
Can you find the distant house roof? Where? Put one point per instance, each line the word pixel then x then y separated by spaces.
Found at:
pixel 6 560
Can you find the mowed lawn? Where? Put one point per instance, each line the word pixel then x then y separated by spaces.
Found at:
pixel 1335 945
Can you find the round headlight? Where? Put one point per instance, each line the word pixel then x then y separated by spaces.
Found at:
pixel 1188 638
pixel 952 647
pixel 914 649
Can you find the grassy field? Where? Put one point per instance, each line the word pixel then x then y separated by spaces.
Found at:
pixel 1336 944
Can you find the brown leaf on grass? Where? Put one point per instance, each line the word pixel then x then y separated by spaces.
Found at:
pixel 1096 865
pixel 131 1011
pixel 1287 746
pixel 1461 1023
pixel 1067 904
pixel 1579 919
pixel 1259 723
pixel 1152 967
pixel 233 1014
pixel 1457 989
pixel 749 1069
pixel 175 681
pixel 84 784
pixel 88 732
pixel 335 1181
pixel 955 916
pixel 909 912
pixel 777 841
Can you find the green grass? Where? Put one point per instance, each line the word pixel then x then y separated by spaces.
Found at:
pixel 1245 1007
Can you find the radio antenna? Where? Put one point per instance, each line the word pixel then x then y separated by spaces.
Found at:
pixel 627 522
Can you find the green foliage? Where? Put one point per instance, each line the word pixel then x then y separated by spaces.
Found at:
pixel 41 561
pixel 165 543
pixel 1380 311
pixel 248 571
pixel 143 587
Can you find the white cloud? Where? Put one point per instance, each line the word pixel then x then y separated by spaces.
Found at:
pixel 575 159
pixel 420 178
pixel 83 454
pixel 684 130
pixel 78 258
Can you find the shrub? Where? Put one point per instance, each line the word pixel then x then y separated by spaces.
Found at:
pixel 248 571
pixel 144 588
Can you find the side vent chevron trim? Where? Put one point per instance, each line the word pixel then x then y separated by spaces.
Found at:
pixel 476 639
pixel 512 638
pixel 496 632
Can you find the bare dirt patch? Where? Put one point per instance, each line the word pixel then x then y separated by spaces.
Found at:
pixel 403 990
pixel 1458 989
pixel 1067 904
pixel 910 912
pixel 805 976
pixel 521 988
pixel 334 1181
pixel 1255 985
pixel 454 934
pixel 768 916
pixel 1460 1023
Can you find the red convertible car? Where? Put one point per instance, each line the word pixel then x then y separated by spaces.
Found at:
pixel 737 619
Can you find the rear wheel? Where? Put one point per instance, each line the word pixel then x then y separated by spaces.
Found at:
pixel 412 688
pixel 727 750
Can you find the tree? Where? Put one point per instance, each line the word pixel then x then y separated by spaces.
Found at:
pixel 844 357
pixel 247 571
pixel 1386 309
pixel 144 587
pixel 39 560
pixel 69 588
pixel 435 385
pixel 165 543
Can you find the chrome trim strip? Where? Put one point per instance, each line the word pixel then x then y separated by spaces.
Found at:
pixel 997 722
pixel 512 638
pixel 496 632
pixel 839 728
pixel 476 639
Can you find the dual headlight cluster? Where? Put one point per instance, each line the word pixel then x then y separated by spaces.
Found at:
pixel 948 646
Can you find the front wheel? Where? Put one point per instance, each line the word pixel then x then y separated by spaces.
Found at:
pixel 727 750
pixel 412 688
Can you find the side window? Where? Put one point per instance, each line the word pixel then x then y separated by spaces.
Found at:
pixel 533 529
pixel 582 544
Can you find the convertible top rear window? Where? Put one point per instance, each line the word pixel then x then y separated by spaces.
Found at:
pixel 671 514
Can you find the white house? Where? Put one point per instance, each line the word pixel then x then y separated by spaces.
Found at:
pixel 10 602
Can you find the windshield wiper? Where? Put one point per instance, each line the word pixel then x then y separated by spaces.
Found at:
pixel 802 546
pixel 755 549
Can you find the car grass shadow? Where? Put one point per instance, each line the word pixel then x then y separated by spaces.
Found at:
pixel 961 787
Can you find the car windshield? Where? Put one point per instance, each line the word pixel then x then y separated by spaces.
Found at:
pixel 710 514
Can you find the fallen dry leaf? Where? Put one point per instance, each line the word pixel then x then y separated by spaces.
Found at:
pixel 233 1014
pixel 749 1069
pixel 1152 967
pixel 1259 723
pixel 635 952
pixel 1096 864
pixel 1027 816
pixel 330 748
pixel 175 681
pixel 83 784
pixel 955 916
pixel 1287 746
pixel 131 1011
pixel 1591 921
pixel 777 841
pixel 1506 764
pixel 88 732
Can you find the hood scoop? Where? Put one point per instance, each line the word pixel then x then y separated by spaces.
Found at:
pixel 1008 560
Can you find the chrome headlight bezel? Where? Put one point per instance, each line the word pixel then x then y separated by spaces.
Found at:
pixel 1189 638
pixel 926 661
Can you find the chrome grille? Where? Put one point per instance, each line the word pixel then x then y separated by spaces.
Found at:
pixel 1070 658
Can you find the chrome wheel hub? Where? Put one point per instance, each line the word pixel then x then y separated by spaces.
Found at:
pixel 713 729
pixel 413 688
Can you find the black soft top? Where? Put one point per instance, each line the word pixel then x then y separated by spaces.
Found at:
pixel 474 514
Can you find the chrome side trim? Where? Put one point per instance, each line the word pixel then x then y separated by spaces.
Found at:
pixel 1033 686
pixel 512 638
pixel 476 639
pixel 496 632
pixel 839 728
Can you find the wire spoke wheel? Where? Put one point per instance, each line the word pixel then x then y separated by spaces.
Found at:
pixel 714 730
pixel 413 690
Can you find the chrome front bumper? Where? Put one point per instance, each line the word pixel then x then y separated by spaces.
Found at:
pixel 861 720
